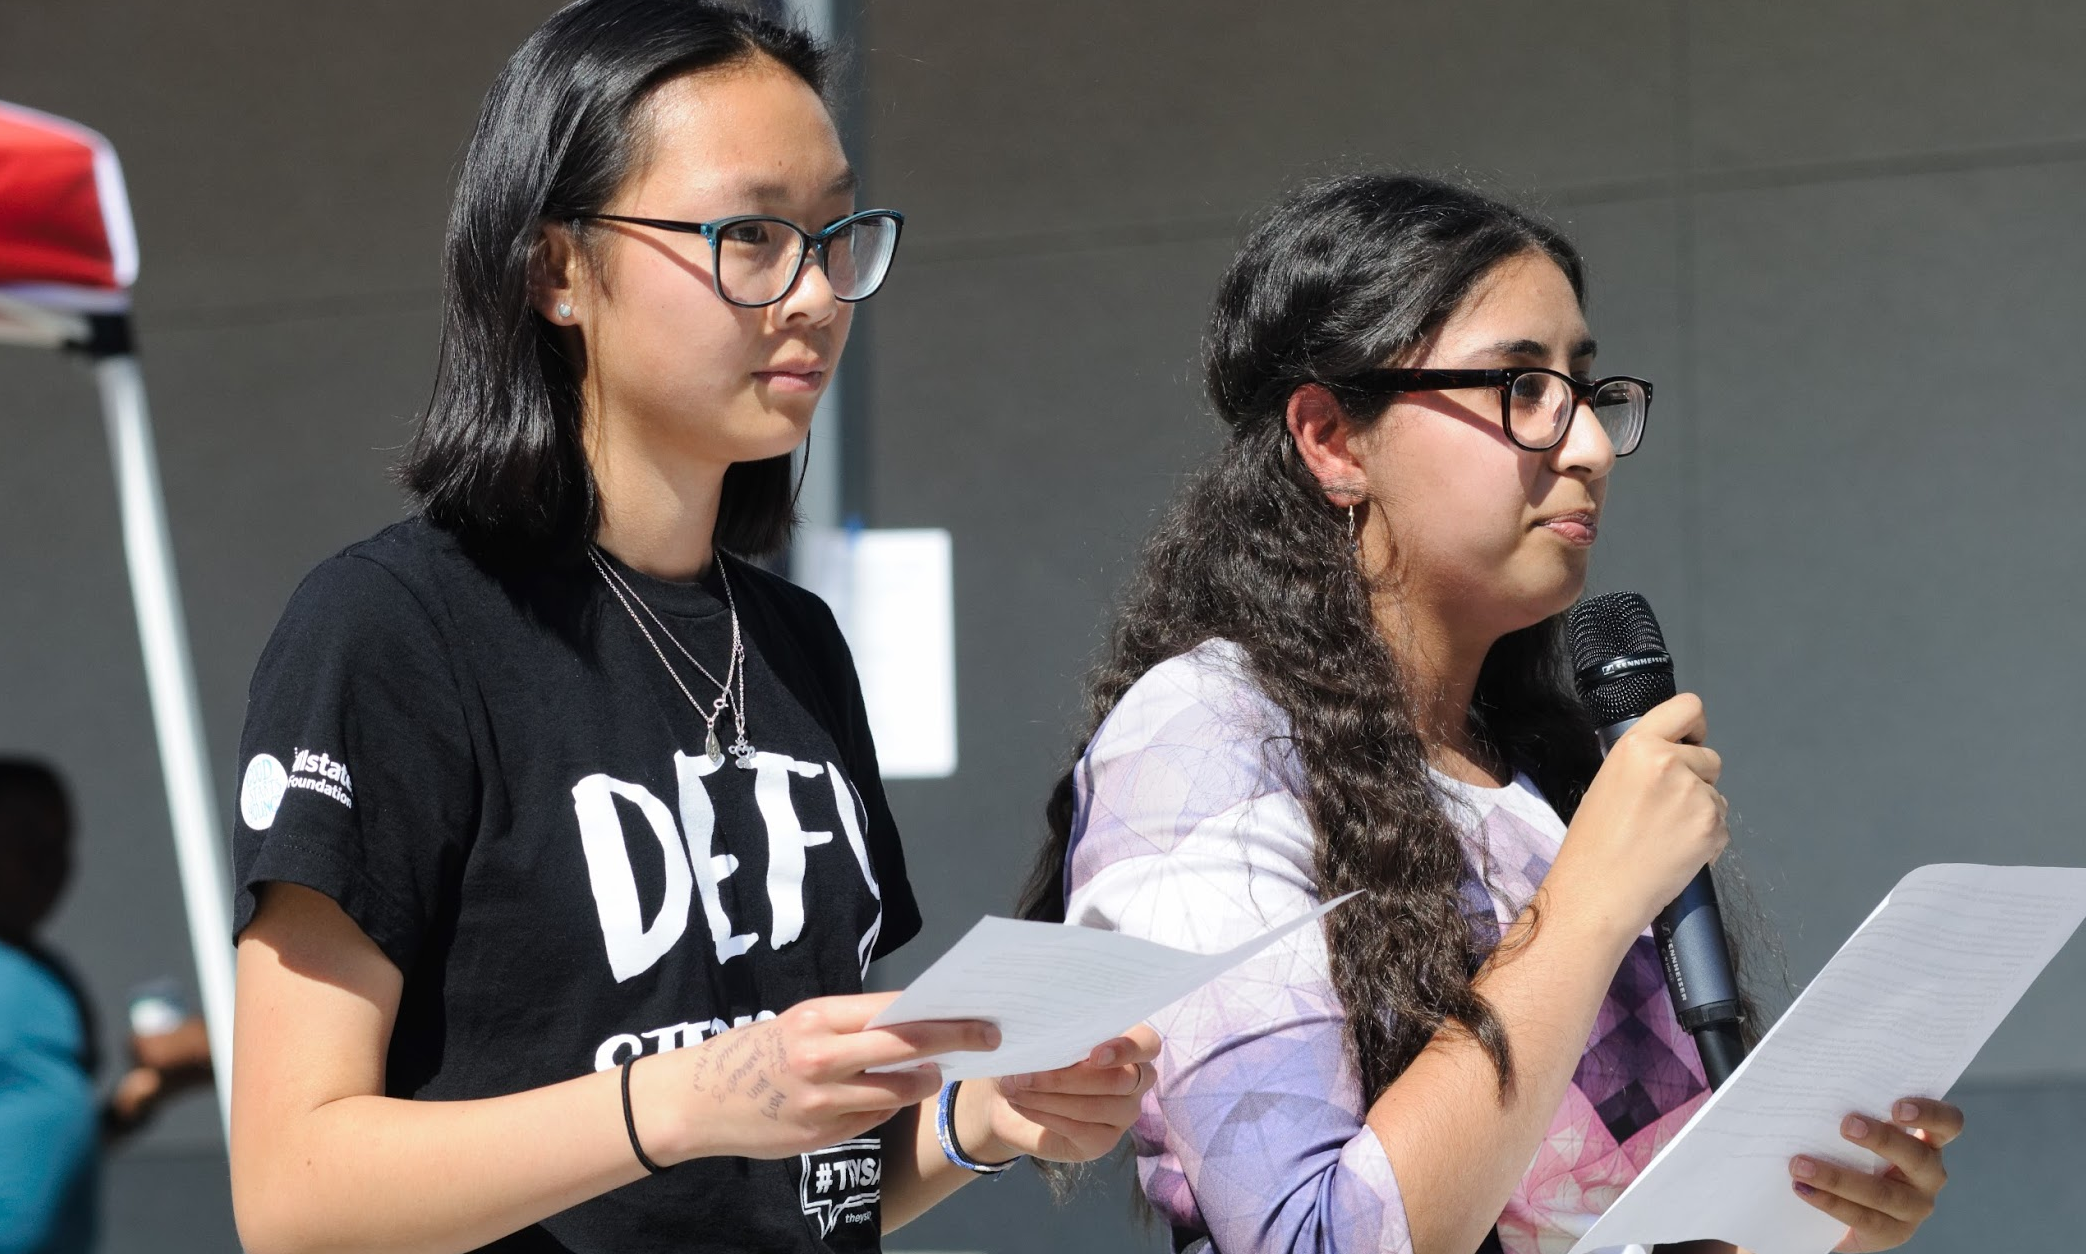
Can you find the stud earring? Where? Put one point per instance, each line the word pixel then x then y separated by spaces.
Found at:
pixel 564 310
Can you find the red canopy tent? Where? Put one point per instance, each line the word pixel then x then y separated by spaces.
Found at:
pixel 68 257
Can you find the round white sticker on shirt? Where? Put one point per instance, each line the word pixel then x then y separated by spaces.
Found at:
pixel 260 795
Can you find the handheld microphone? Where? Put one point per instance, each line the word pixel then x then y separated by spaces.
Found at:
pixel 1623 670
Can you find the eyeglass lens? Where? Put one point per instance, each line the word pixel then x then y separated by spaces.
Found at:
pixel 1539 406
pixel 758 259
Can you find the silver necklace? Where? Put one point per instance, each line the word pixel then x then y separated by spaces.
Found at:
pixel 741 749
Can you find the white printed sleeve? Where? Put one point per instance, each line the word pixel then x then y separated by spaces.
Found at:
pixel 1188 831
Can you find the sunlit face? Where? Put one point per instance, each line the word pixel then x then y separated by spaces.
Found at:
pixel 688 375
pixel 1497 536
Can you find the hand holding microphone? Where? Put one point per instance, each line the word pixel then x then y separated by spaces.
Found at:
pixel 1652 819
pixel 1625 676
pixel 1651 822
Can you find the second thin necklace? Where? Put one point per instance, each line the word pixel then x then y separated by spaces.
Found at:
pixel 741 749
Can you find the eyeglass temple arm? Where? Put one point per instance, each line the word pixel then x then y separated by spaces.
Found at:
pixel 1410 380
pixel 1419 380
pixel 664 224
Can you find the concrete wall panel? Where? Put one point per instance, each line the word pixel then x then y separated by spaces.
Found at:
pixel 1044 408
pixel 1867 80
pixel 1081 116
pixel 1891 561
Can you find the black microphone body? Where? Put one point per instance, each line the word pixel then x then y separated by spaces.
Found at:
pixel 1623 670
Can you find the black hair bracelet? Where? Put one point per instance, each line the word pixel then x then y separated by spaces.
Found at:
pixel 630 1122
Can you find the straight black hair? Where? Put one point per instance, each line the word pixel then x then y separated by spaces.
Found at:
pixel 498 457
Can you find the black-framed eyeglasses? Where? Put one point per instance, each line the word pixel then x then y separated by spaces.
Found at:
pixel 1536 405
pixel 755 259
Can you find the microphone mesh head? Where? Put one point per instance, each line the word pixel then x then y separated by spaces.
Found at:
pixel 1610 626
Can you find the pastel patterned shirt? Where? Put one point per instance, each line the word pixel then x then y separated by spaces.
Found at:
pixel 1188 830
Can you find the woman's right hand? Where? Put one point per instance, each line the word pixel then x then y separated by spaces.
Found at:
pixel 794 1083
pixel 1651 818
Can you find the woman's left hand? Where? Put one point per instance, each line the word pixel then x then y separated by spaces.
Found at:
pixel 1883 1209
pixel 1069 1115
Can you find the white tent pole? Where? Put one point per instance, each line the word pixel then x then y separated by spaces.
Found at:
pixel 176 717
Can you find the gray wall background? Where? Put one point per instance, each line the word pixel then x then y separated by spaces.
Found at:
pixel 1842 238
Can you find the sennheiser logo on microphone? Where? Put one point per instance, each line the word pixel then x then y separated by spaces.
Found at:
pixel 1675 973
pixel 1616 668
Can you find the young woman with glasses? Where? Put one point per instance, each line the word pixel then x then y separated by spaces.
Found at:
pixel 1337 670
pixel 561 849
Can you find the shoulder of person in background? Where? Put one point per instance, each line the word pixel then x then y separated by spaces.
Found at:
pixel 47 1108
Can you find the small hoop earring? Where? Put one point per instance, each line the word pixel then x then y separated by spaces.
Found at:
pixel 1354 544
pixel 564 310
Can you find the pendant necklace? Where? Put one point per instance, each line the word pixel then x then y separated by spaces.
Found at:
pixel 741 749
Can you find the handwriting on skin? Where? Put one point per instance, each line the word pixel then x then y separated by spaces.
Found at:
pixel 745 1064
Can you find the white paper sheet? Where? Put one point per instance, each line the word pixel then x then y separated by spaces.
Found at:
pixel 1899 1012
pixel 1056 991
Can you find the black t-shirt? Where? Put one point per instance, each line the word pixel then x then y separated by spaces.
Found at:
pixel 492 773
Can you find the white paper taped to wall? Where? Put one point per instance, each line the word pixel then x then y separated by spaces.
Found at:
pixel 892 591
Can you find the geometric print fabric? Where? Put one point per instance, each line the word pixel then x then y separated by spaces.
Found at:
pixel 1188 830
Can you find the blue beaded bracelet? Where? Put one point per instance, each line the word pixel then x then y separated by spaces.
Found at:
pixel 945 1132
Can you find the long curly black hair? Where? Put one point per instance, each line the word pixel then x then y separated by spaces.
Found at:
pixel 1344 276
